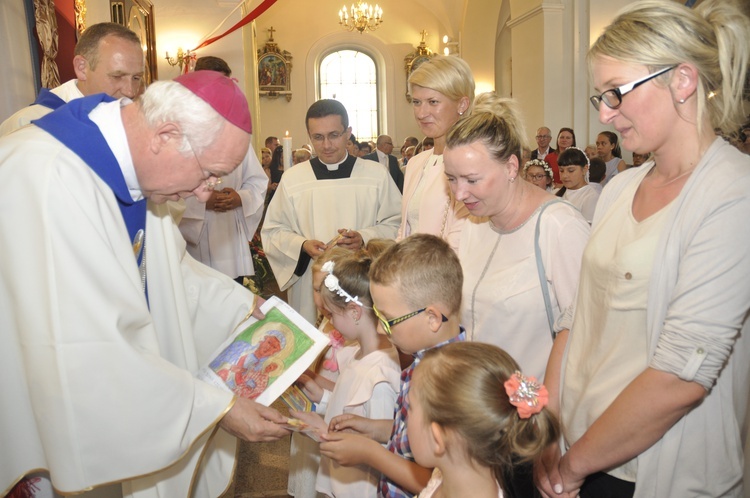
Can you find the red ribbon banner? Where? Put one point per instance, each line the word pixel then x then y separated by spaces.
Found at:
pixel 257 11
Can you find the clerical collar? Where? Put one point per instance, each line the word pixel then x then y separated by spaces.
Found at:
pixel 334 167
pixel 324 171
pixel 108 119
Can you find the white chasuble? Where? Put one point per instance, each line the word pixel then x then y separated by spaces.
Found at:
pixel 99 384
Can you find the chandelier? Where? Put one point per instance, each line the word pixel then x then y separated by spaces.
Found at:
pixel 363 17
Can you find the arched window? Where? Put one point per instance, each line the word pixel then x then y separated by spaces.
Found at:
pixel 350 77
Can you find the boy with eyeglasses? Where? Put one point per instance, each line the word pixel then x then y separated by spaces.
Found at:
pixel 416 292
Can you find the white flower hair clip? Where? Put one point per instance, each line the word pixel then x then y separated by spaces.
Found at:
pixel 332 284
pixel 540 163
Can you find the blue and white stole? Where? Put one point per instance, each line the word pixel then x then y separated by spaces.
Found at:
pixel 70 124
pixel 48 99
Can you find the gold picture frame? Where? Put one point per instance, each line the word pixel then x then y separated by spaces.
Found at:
pixel 274 70
pixel 414 59
pixel 138 16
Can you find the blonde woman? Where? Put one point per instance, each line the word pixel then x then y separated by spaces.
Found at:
pixel 655 391
pixel 442 91
pixel 505 283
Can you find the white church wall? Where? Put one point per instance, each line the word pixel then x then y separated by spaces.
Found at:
pixel 309 32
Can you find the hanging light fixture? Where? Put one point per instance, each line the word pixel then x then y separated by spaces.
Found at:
pixel 363 17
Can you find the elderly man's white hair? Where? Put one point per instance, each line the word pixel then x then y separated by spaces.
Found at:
pixel 170 101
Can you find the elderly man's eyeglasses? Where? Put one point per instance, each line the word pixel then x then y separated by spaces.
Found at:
pixel 387 324
pixel 211 180
pixel 613 98
pixel 332 137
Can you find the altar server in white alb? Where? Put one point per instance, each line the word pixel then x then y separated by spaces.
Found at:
pixel 219 230
pixel 98 346
pixel 333 198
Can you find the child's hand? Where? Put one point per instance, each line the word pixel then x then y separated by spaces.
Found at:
pixel 347 449
pixel 313 420
pixel 320 380
pixel 310 388
pixel 379 430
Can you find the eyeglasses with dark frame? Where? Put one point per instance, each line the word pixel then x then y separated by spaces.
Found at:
pixel 538 177
pixel 613 98
pixel 332 137
pixel 387 324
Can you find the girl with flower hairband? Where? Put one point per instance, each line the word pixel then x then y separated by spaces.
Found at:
pixel 574 173
pixel 369 370
pixel 539 173
pixel 474 417
pixel 304 454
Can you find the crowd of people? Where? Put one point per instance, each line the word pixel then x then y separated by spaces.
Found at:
pixel 503 322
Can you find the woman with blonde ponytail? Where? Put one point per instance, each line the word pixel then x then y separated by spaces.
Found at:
pixel 655 391
pixel 521 254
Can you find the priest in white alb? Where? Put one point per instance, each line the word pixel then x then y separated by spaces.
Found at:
pixel 333 198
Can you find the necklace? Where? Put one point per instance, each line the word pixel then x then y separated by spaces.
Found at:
pixel 673 179
pixel 476 286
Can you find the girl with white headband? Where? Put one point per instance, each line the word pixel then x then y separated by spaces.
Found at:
pixel 369 370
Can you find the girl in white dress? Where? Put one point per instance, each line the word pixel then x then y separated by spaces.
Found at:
pixel 369 371
pixel 574 173
pixel 474 417
pixel 304 456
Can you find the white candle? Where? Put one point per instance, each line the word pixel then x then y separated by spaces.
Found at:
pixel 286 143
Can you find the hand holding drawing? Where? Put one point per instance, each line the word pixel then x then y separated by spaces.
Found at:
pixel 378 430
pixel 257 313
pixel 251 421
pixel 320 380
pixel 311 388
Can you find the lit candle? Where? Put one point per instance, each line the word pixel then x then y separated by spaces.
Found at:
pixel 286 143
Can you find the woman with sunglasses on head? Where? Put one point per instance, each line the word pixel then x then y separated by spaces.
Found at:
pixel 654 394
pixel 442 91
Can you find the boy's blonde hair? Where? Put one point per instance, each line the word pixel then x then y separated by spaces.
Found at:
pixel 460 386
pixel 424 269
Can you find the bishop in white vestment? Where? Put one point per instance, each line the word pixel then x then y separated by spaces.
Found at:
pixel 101 337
